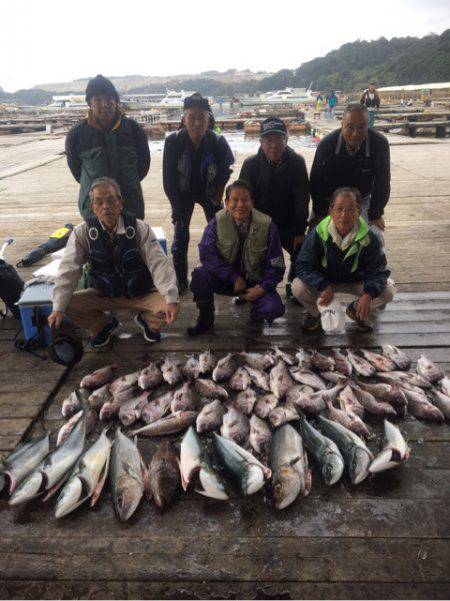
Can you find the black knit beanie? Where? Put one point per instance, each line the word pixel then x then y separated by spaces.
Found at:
pixel 101 86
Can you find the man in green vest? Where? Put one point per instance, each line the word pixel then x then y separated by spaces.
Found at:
pixel 342 254
pixel 240 253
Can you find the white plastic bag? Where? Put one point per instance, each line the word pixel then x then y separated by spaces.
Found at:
pixel 332 317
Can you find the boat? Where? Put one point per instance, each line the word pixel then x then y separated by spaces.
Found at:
pixel 280 97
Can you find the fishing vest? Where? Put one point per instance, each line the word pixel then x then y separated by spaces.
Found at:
pixel 208 163
pixel 361 240
pixel 117 265
pixel 254 249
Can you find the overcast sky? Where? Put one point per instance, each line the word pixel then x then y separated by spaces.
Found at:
pixel 57 41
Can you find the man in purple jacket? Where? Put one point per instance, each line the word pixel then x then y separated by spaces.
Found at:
pixel 241 253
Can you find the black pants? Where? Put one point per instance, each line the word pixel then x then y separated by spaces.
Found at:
pixel 287 242
pixel 181 221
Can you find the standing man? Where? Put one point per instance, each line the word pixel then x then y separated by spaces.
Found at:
pixel 280 185
pixel 331 102
pixel 240 253
pixel 352 156
pixel 371 100
pixel 129 269
pixel 108 144
pixel 196 168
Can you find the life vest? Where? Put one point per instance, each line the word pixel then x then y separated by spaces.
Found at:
pixel 117 265
pixel 254 249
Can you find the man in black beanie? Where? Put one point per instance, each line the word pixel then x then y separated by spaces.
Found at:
pixel 108 144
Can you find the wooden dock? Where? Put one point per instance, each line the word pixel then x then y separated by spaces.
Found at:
pixel 386 538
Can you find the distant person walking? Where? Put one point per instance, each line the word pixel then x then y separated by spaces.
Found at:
pixel 196 168
pixel 319 104
pixel 108 144
pixel 371 100
pixel 331 104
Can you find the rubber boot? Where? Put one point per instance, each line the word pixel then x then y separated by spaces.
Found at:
pixel 205 320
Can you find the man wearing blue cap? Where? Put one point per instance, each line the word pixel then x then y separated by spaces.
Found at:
pixel 280 185
pixel 108 144
pixel 196 168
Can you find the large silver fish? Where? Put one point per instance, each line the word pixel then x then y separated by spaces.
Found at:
pixel 420 406
pixel 249 473
pixel 184 399
pixel 342 364
pixel 191 369
pixel 235 426
pixel 259 378
pixel 54 467
pixel 171 371
pixel 150 377
pixel 348 419
pixel 66 429
pixel 379 362
pixel 225 368
pixel 286 357
pixel 210 417
pixel 126 476
pixel 308 377
pixel 23 460
pixel 163 475
pixel 131 411
pixel 356 455
pixel 156 408
pixel 322 362
pixel 87 478
pixel 99 377
pixel 258 361
pixel 195 463
pixel 207 362
pixel 240 380
pixel 429 370
pixel 265 404
pixel 394 451
pixel 393 353
pixel 211 390
pixel 280 379
pixel 175 422
pixel 291 475
pixel 245 401
pixel 360 365
pixel 260 434
pixel 324 451
pixel 371 405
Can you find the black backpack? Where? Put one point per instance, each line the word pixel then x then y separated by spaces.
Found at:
pixel 11 286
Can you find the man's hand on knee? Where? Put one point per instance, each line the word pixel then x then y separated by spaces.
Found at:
pixel 55 318
pixel 252 294
pixel 172 312
pixel 364 307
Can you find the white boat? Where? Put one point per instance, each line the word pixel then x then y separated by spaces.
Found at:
pixel 286 96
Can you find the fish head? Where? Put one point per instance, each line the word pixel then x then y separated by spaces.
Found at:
pixel 286 486
pixel 332 469
pixel 127 497
pixel 28 489
pixel 359 465
pixel 252 478
pixel 212 484
pixel 70 497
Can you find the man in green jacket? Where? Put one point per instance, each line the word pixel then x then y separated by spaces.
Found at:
pixel 108 144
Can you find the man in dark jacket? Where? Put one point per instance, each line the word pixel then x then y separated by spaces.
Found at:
pixel 371 100
pixel 353 156
pixel 196 168
pixel 240 252
pixel 280 185
pixel 108 144
pixel 342 254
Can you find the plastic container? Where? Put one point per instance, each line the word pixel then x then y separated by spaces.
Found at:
pixel 35 306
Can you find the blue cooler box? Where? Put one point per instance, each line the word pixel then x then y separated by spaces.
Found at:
pixel 35 306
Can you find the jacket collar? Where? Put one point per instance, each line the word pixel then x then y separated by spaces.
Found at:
pixel 92 121
pixel 324 234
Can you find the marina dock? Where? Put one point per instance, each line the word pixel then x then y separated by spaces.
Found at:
pixel 386 538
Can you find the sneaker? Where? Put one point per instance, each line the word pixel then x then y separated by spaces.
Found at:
pixel 311 323
pixel 148 334
pixel 103 338
pixel 239 300
pixel 182 286
pixel 362 324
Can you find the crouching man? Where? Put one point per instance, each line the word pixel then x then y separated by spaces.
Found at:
pixel 129 270
pixel 341 254
pixel 241 253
